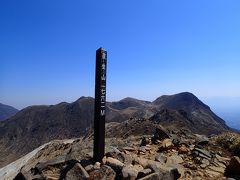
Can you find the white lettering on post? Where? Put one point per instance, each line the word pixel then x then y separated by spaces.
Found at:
pixel 103 77
pixel 102 112
pixel 103 66
pixel 103 86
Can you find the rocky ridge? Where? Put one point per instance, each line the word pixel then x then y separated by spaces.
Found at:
pixel 37 125
pixel 158 154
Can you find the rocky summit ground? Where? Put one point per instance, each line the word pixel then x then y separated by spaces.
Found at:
pixel 132 153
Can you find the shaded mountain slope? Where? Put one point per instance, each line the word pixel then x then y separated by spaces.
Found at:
pixel 186 110
pixel 37 125
pixel 6 111
pixel 190 104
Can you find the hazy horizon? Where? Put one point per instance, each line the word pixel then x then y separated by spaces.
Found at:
pixel 225 107
pixel 221 103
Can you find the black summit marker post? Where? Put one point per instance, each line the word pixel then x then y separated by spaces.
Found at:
pixel 100 102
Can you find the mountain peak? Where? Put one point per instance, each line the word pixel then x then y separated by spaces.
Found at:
pixel 129 99
pixel 186 94
pixel 184 100
pixel 128 102
pixel 183 95
pixel 84 98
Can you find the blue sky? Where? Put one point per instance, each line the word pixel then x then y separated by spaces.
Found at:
pixel 47 49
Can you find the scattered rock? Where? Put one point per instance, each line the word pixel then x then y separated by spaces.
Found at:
pixel 115 164
pixel 184 155
pixel 166 144
pixel 76 173
pixel 124 158
pixel 189 165
pixel 159 134
pixel 233 169
pixel 175 139
pixel 176 170
pixel 164 172
pixel 161 158
pixel 217 163
pixel 112 149
pixel 116 154
pixel 104 159
pixel 142 149
pixel 213 173
pixel 217 169
pixel 202 140
pixel 104 173
pixel 55 168
pixel 97 165
pixel 59 160
pixel 89 168
pixel 201 153
pixel 145 141
pixel 129 172
pixel 23 175
pixel 144 173
pixel 155 166
pixel 49 177
pixel 138 167
pixel 182 149
pixel 129 149
pixel 205 163
pixel 174 159
pixel 142 161
pixel 174 174
pixel 222 159
pixel 153 176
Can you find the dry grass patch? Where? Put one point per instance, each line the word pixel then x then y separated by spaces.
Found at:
pixel 230 141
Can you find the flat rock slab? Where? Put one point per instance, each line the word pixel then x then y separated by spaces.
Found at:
pixel 153 176
pixel 203 152
pixel 115 164
pixel 76 173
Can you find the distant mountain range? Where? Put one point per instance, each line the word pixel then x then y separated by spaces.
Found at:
pixel 6 111
pixel 36 125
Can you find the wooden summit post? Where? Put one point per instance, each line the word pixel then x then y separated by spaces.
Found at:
pixel 100 102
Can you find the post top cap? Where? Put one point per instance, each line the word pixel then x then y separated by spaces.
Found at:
pixel 101 49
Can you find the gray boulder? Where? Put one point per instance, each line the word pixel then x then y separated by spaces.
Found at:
pixel 77 172
pixel 105 172
pixel 233 169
